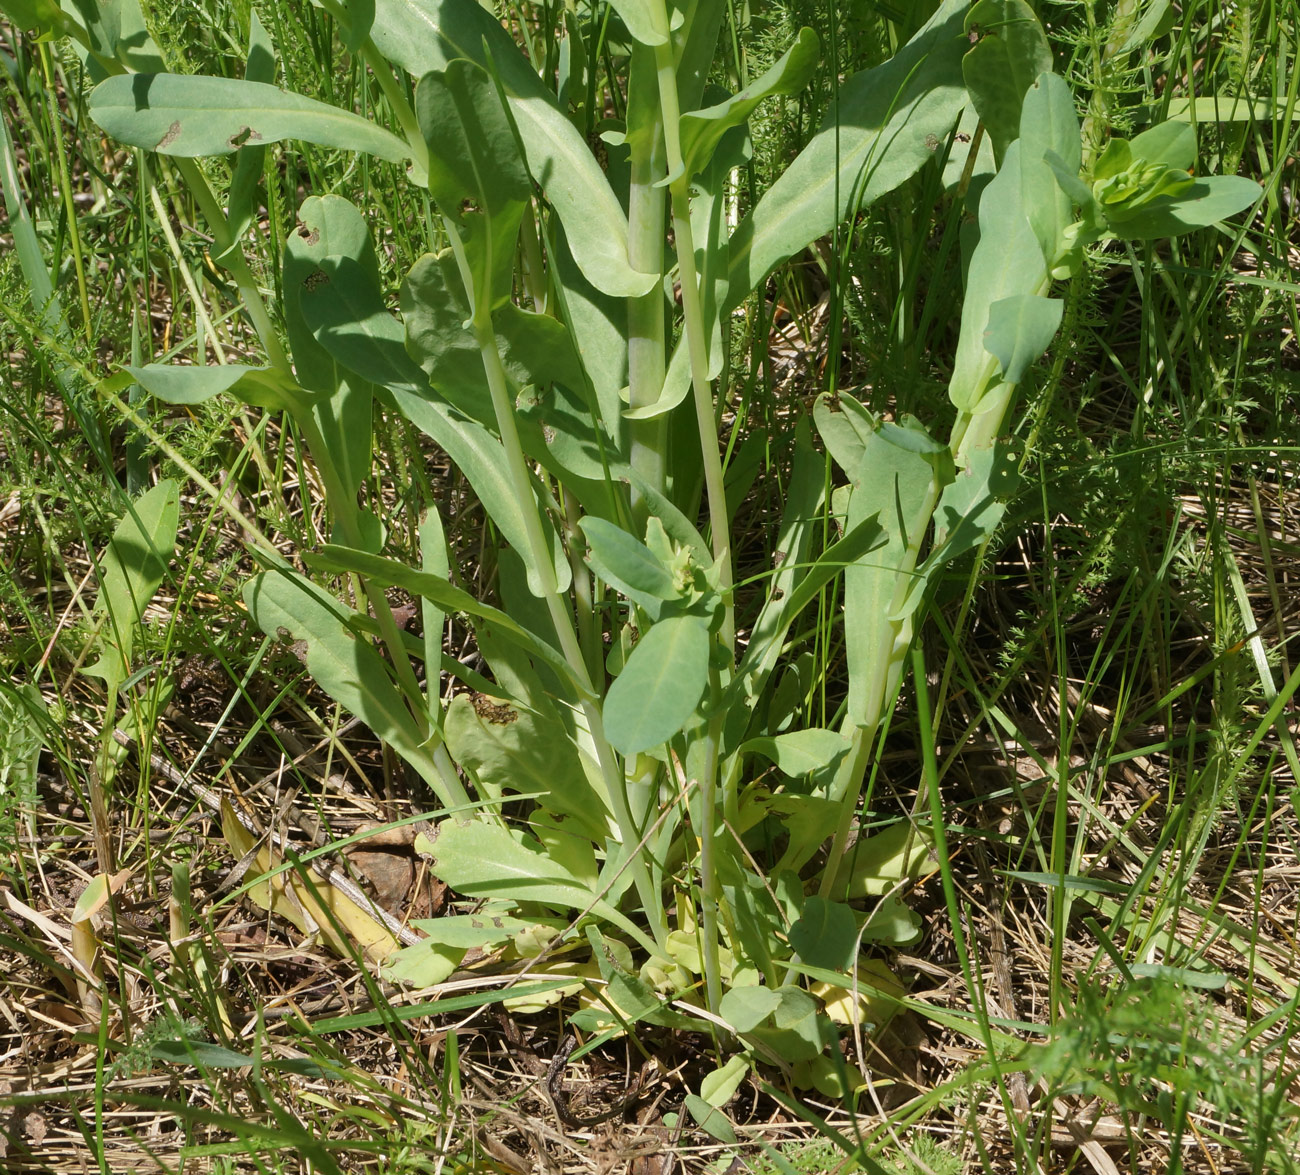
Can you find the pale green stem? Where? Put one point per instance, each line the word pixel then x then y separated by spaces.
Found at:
pixel 646 206
pixel 534 270
pixel 696 337
pixel 706 422
pixel 539 551
pixel 708 872
pixel 589 631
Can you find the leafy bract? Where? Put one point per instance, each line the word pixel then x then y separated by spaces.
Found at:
pixel 701 130
pixel 191 115
pixel 628 564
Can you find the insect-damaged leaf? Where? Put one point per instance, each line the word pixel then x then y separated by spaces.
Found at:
pixel 190 115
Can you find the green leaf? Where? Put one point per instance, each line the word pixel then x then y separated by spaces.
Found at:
pixel 480 457
pixel 844 426
pixel 892 923
pixel 1019 331
pixel 434 562
pixel 1223 108
pixel 190 115
pixel 343 410
pixel 424 963
pixel 628 564
pixel 346 666
pixel 797 1031
pixel 1008 261
pixel 355 27
pixel 711 1120
pixel 719 1087
pixel 480 860
pixel 342 305
pixel 894 485
pixel 474 160
pixel 1171 144
pixel 701 130
pixel 328 227
pixel 800 752
pixel 1048 124
pixel 1011 50
pixel 391 573
pixel 536 351
pixel 345 311
pixel 511 748
pixel 826 935
pixel 874 139
pixel 661 685
pixel 642 18
pixel 262 387
pixel 969 511
pixel 745 1008
pixel 130 573
pixel 420 35
pixel 44 15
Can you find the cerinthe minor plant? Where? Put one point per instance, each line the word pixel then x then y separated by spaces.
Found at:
pixel 603 787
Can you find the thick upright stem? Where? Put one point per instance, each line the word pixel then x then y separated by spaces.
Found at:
pixel 696 334
pixel 646 208
pixel 539 551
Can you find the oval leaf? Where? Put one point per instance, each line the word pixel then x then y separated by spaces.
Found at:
pixel 801 752
pixel 660 686
pixel 826 935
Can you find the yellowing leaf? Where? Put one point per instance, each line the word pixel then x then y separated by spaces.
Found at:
pixel 876 865
pixel 864 1006
pixel 319 908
